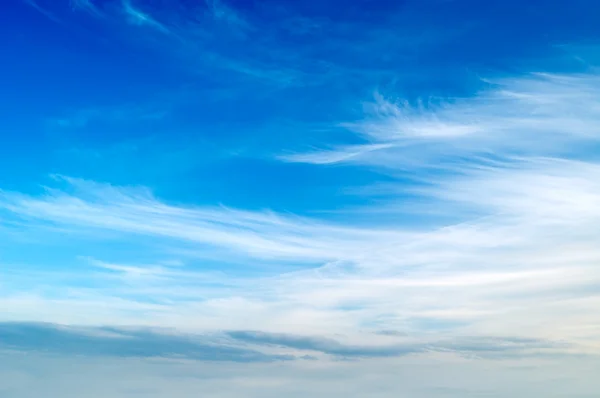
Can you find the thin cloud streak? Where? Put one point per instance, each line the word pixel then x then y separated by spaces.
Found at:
pixel 138 17
pixel 110 342
pixel 535 115
pixel 87 6
pixel 260 234
pixel 240 346
pixel 43 11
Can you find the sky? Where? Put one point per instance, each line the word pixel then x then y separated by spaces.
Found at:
pixel 261 198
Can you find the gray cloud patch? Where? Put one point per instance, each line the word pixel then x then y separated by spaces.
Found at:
pixel 242 346
pixel 478 346
pixel 501 347
pixel 123 343
pixel 324 345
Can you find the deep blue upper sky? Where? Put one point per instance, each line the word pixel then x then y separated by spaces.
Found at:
pixel 198 106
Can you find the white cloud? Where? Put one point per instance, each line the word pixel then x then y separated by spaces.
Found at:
pixel 261 234
pixel 334 156
pixel 514 269
pixel 522 259
pixel 539 114
pixel 137 17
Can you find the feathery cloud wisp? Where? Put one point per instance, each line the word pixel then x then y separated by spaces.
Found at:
pixel 535 115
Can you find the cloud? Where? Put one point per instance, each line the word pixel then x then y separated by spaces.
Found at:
pixel 262 234
pixel 479 346
pixel 252 46
pixel 240 346
pixel 87 6
pixel 527 259
pixel 137 17
pixel 327 346
pixel 512 249
pixel 474 273
pixel 538 114
pixel 334 156
pixel 42 10
pixel 110 342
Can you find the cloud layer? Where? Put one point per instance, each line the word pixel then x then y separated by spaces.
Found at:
pixel 521 254
pixel 249 346
pixel 164 230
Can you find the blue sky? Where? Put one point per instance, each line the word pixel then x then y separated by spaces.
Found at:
pixel 268 198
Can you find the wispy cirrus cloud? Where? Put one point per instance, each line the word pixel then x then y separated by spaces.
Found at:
pixel 87 6
pixel 510 167
pixel 255 233
pixel 535 115
pixel 215 35
pixel 138 17
pixel 461 255
pixel 42 10
pixel 512 270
